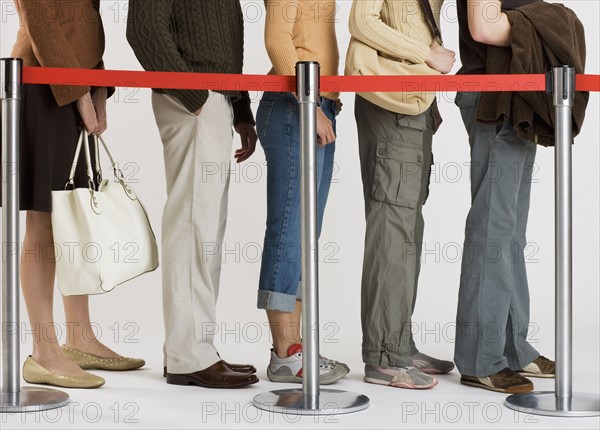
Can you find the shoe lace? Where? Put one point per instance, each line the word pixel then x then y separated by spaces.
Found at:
pixel 324 363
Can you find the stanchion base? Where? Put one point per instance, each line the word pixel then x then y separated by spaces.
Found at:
pixel 546 403
pixel 32 399
pixel 291 402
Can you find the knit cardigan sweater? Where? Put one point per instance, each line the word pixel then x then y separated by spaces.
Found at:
pixel 191 36
pixel 391 37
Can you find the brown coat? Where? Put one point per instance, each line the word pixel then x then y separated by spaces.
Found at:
pixel 543 35
pixel 60 33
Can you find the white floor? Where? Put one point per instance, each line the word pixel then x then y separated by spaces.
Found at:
pixel 142 399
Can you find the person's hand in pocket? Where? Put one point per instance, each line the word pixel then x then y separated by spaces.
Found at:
pixel 325 133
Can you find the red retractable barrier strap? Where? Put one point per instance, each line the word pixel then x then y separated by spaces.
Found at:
pixel 233 82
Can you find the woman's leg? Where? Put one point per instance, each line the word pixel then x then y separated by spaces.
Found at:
pixel 285 328
pixel 80 333
pixel 37 280
pixel 277 126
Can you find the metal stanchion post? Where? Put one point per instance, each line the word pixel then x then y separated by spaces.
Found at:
pixel 308 96
pixel 310 400
pixel 562 402
pixel 13 398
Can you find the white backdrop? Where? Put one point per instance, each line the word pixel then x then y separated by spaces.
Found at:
pixel 130 318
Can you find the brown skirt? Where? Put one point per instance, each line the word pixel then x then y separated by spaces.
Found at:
pixel 49 137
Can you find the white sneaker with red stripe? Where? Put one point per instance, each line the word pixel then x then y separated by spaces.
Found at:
pixel 289 369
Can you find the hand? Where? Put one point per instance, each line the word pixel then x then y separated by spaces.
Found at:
pixel 325 133
pixel 99 101
pixel 248 137
pixel 85 107
pixel 440 58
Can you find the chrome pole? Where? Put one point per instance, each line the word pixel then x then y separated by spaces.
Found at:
pixel 310 400
pixel 11 101
pixel 13 399
pixel 562 402
pixel 307 75
pixel 564 98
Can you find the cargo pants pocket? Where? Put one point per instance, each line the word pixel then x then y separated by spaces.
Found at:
pixel 397 175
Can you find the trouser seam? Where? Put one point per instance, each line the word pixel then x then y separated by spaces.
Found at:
pixel 192 228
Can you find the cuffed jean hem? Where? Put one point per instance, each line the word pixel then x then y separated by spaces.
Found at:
pixel 274 301
pixel 386 356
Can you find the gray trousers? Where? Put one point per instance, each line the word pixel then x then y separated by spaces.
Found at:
pixel 493 304
pixel 395 157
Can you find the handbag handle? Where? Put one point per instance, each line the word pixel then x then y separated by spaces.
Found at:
pixel 97 158
pixel 113 165
pixel 83 137
pixel 119 177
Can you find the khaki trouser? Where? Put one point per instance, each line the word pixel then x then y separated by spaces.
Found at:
pixel 197 153
pixel 396 158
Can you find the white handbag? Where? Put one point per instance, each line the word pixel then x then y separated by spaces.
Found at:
pixel 102 236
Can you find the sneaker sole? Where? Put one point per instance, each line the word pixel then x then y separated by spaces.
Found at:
pixel 512 390
pixel 298 380
pixel 400 384
pixel 537 375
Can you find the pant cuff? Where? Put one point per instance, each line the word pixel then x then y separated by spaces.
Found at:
pixel 523 360
pixel 481 371
pixel 386 356
pixel 274 301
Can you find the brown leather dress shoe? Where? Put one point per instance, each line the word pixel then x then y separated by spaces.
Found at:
pixel 245 368
pixel 242 368
pixel 219 375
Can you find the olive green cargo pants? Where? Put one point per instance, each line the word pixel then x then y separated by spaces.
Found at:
pixel 396 159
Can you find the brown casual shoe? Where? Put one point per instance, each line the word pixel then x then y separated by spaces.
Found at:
pixel 242 368
pixel 216 376
pixel 541 367
pixel 505 381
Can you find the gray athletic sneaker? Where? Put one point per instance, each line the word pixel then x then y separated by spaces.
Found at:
pixel 399 377
pixel 289 369
pixel 433 366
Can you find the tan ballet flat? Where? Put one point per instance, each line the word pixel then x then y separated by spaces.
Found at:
pixel 89 361
pixel 35 373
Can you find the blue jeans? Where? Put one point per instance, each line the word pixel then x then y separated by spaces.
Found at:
pixel 278 127
pixel 493 300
